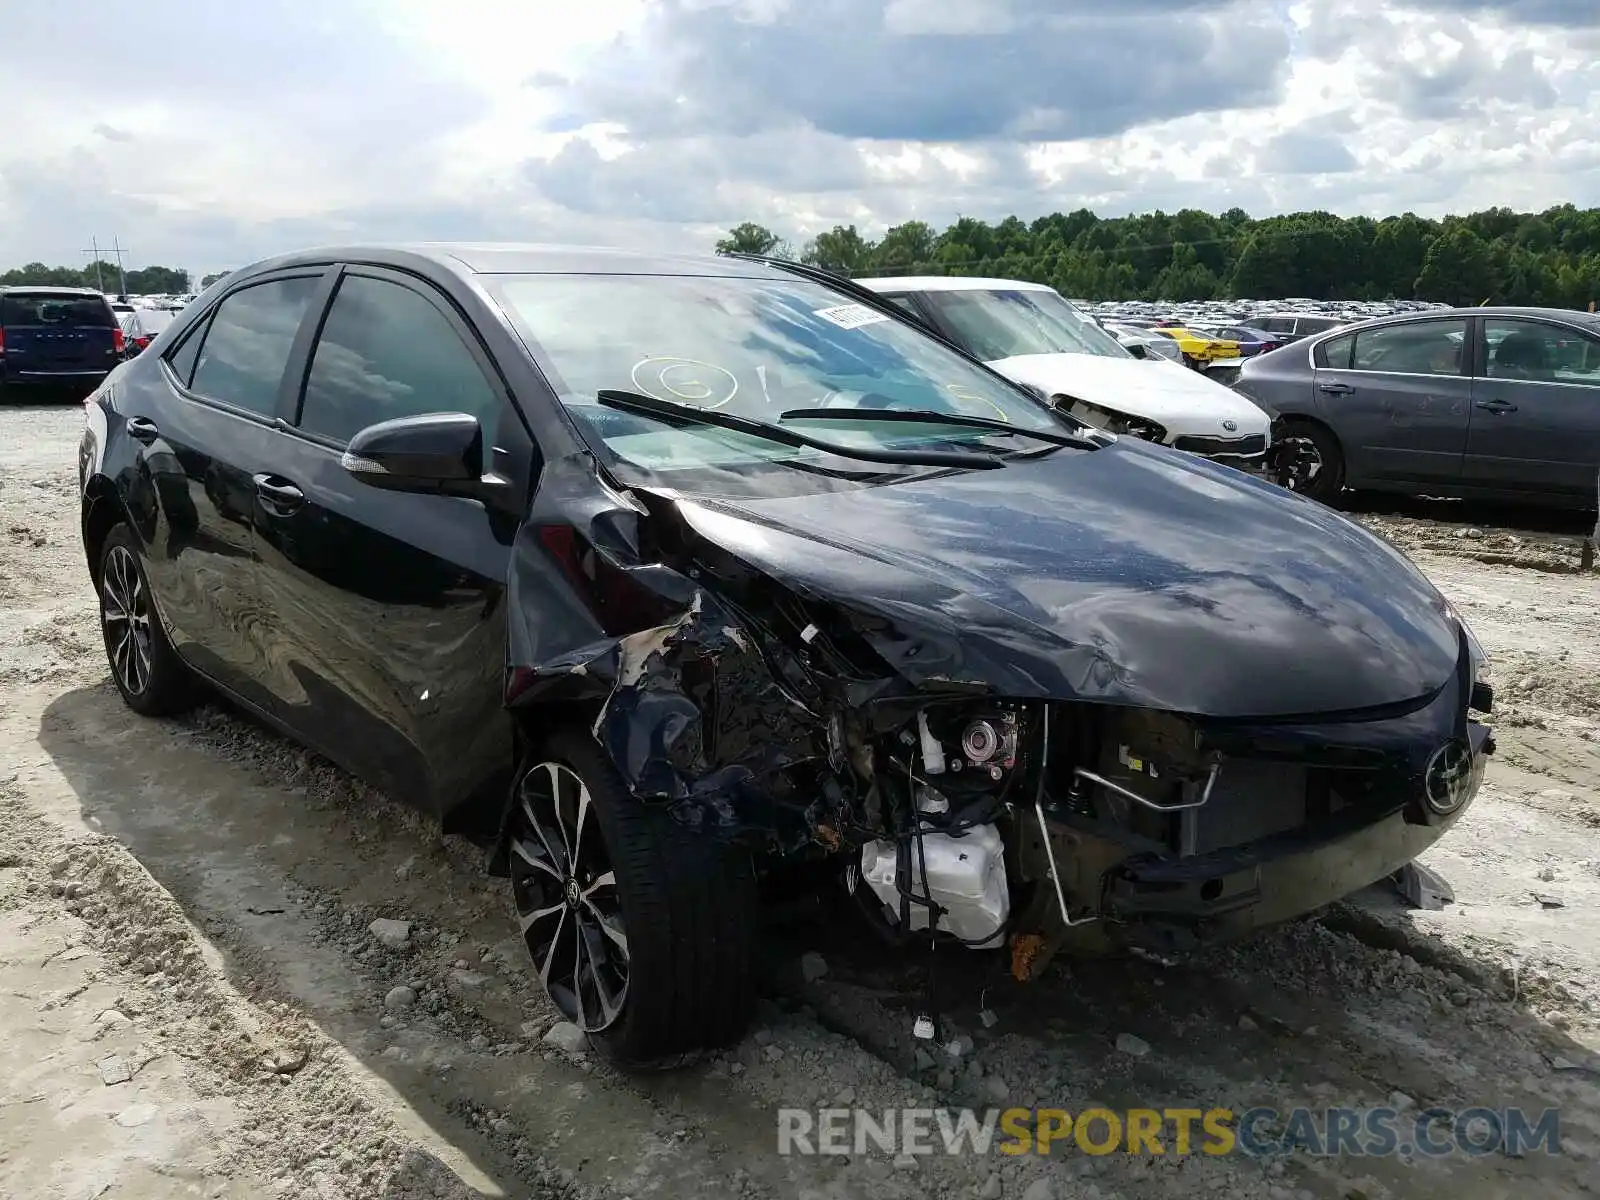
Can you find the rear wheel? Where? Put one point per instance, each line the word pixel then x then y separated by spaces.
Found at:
pixel 1320 471
pixel 641 930
pixel 144 666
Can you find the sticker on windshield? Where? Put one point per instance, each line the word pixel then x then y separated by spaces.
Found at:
pixel 850 316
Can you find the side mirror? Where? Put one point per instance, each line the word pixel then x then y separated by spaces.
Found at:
pixel 436 452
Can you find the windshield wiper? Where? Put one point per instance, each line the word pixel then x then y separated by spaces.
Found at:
pixel 669 410
pixel 926 416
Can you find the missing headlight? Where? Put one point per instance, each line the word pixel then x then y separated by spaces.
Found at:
pixel 1112 421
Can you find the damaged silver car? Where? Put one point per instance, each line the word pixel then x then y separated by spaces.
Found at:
pixel 654 574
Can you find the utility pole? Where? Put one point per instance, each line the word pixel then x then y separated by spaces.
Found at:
pixel 122 278
pixel 94 249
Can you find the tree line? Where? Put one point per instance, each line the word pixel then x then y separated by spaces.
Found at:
pixel 1550 258
pixel 142 281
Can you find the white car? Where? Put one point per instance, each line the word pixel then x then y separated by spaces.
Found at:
pixel 1029 333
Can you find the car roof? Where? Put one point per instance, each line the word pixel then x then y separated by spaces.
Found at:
pixel 525 258
pixel 49 290
pixel 1569 315
pixel 951 283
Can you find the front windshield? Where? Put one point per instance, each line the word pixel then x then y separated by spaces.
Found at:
pixel 753 348
pixel 1003 324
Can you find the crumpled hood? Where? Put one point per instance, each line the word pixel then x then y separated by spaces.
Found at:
pixel 1130 575
pixel 1162 391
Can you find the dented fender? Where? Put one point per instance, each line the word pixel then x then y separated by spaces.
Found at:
pixel 690 703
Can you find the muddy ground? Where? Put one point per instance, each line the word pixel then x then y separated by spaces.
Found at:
pixel 191 1002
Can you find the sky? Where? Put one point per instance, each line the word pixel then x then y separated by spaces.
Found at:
pixel 206 135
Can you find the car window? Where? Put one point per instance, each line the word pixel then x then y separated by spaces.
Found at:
pixel 1543 353
pixel 21 308
pixel 246 349
pixel 1278 325
pixel 905 303
pixel 181 358
pixel 1335 352
pixel 1005 324
pixel 1412 348
pixel 754 348
pixel 387 352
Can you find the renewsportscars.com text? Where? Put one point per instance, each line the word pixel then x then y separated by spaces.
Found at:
pixel 1255 1132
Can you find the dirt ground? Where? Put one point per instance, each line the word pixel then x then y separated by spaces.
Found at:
pixel 191 1002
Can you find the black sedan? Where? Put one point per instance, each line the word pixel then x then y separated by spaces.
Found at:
pixel 1490 403
pixel 652 574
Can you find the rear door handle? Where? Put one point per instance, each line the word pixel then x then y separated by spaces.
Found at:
pixel 278 494
pixel 1335 389
pixel 1496 406
pixel 142 429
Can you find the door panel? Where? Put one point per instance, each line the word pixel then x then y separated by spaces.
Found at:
pixel 388 626
pixel 388 609
pixel 1400 406
pixel 193 491
pixel 1536 410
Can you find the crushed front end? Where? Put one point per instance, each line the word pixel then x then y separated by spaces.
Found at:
pixel 1127 827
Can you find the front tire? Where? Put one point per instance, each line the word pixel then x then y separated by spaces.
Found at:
pixel 144 666
pixel 640 929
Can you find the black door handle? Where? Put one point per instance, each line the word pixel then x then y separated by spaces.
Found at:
pixel 1496 406
pixel 142 429
pixel 278 494
pixel 1335 389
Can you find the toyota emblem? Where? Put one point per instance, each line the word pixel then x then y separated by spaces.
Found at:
pixel 1230 425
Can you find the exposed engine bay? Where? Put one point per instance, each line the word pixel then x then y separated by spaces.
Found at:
pixel 987 771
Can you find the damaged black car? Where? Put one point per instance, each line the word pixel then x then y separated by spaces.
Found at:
pixel 655 574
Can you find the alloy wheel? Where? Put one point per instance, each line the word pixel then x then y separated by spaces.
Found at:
pixel 568 906
pixel 125 619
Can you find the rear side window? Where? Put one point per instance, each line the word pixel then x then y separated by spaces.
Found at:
pixel 1414 348
pixel 182 359
pixel 71 311
pixel 387 352
pixel 1335 352
pixel 246 349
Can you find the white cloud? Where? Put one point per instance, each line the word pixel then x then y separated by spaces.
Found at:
pixel 207 135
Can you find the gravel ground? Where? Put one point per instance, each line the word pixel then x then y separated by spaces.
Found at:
pixel 197 1002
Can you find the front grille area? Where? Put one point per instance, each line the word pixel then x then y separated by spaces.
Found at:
pixel 1255 444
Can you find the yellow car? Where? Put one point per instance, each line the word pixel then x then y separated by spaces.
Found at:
pixel 1199 348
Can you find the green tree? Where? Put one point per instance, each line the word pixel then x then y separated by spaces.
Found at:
pixel 905 247
pixel 1458 269
pixel 158 281
pixel 212 278
pixel 841 249
pixel 750 238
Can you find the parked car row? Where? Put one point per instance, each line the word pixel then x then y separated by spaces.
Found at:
pixel 654 575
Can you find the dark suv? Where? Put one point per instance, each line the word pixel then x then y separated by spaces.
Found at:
pixel 57 337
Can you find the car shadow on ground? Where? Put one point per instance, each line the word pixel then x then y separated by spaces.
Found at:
pixel 1306 1014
